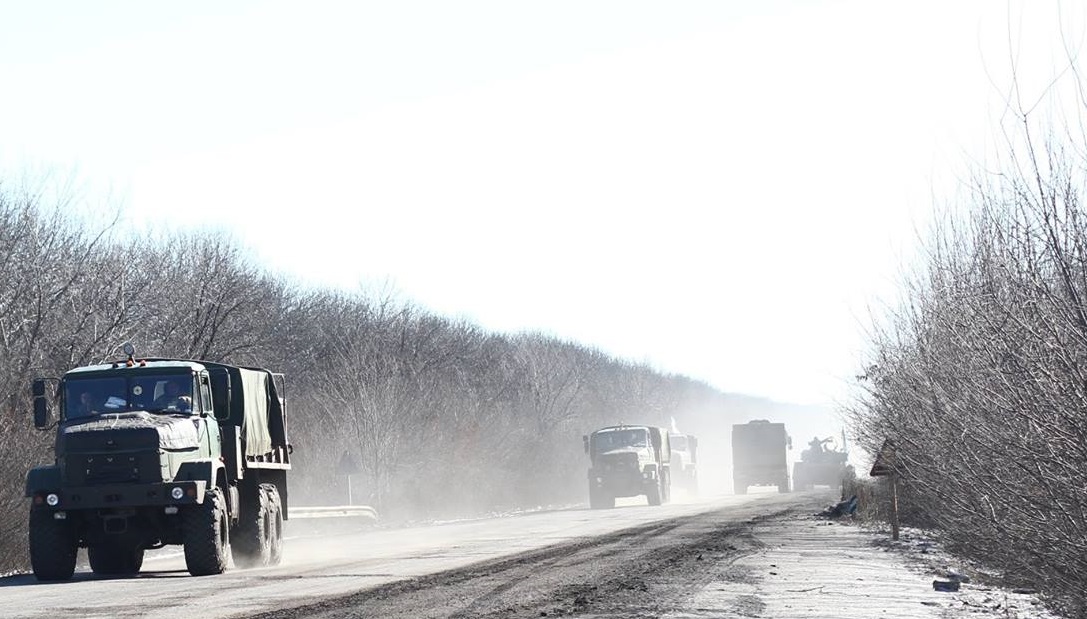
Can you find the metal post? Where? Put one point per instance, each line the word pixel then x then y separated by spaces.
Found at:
pixel 894 507
pixel 351 502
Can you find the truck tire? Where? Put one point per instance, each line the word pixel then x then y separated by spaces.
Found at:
pixel 653 495
pixel 115 560
pixel 205 534
pixel 251 544
pixel 275 535
pixel 600 499
pixel 666 487
pixel 53 546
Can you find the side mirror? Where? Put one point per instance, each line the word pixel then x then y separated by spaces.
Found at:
pixel 585 439
pixel 41 404
pixel 789 442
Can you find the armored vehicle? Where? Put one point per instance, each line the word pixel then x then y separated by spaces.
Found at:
pixel 628 461
pixel 821 465
pixel 684 462
pixel 160 451
pixel 759 455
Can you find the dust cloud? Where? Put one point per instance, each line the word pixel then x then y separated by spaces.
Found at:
pixel 713 429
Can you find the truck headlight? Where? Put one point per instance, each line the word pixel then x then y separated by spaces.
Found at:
pixel 177 493
pixel 52 499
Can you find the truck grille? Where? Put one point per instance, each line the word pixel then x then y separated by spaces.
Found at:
pixel 619 461
pixel 84 469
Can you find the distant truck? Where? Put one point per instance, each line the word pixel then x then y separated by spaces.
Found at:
pixel 759 455
pixel 822 465
pixel 684 462
pixel 628 461
pixel 160 451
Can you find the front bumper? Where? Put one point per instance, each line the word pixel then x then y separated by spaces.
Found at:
pixel 625 481
pixel 111 496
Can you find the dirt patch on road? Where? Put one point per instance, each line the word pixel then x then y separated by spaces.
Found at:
pixel 644 571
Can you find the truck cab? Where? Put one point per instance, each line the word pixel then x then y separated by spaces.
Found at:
pixel 684 461
pixel 628 461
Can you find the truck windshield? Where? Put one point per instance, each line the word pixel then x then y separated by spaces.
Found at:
pixel 618 439
pixel 89 396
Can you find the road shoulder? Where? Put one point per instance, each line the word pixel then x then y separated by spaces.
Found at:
pixel 808 567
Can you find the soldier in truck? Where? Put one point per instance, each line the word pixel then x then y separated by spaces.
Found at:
pixel 173 398
pixel 85 406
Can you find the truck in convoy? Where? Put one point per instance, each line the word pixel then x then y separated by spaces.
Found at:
pixel 759 455
pixel 684 462
pixel 628 461
pixel 153 452
pixel 822 465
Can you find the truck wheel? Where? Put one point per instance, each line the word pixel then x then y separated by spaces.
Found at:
pixel 654 494
pixel 53 547
pixel 598 499
pixel 114 560
pixel 205 535
pixel 251 545
pixel 275 534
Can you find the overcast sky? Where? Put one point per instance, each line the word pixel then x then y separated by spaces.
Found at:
pixel 720 189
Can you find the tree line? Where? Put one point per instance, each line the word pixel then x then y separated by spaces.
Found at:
pixel 435 416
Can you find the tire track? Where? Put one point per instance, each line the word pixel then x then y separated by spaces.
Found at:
pixel 637 572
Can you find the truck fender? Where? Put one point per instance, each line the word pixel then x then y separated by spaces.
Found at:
pixel 42 478
pixel 200 470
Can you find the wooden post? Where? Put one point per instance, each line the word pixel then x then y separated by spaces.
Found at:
pixel 884 466
pixel 894 507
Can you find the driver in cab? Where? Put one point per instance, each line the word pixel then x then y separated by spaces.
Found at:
pixel 173 398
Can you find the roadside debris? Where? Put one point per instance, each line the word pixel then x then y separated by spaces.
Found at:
pixel 955 575
pixel 845 507
pixel 945 585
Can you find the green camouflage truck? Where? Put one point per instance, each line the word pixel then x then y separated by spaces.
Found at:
pixel 160 451
pixel 628 461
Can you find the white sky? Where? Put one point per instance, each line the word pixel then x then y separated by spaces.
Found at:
pixel 720 189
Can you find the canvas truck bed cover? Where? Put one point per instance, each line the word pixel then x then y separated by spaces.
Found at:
pixel 255 428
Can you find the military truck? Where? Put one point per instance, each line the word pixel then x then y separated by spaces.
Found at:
pixel 822 465
pixel 628 461
pixel 759 455
pixel 153 452
pixel 684 461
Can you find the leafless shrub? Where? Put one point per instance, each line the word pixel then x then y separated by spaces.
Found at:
pixel 981 376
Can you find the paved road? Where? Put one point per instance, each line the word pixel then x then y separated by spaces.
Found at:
pixel 317 569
